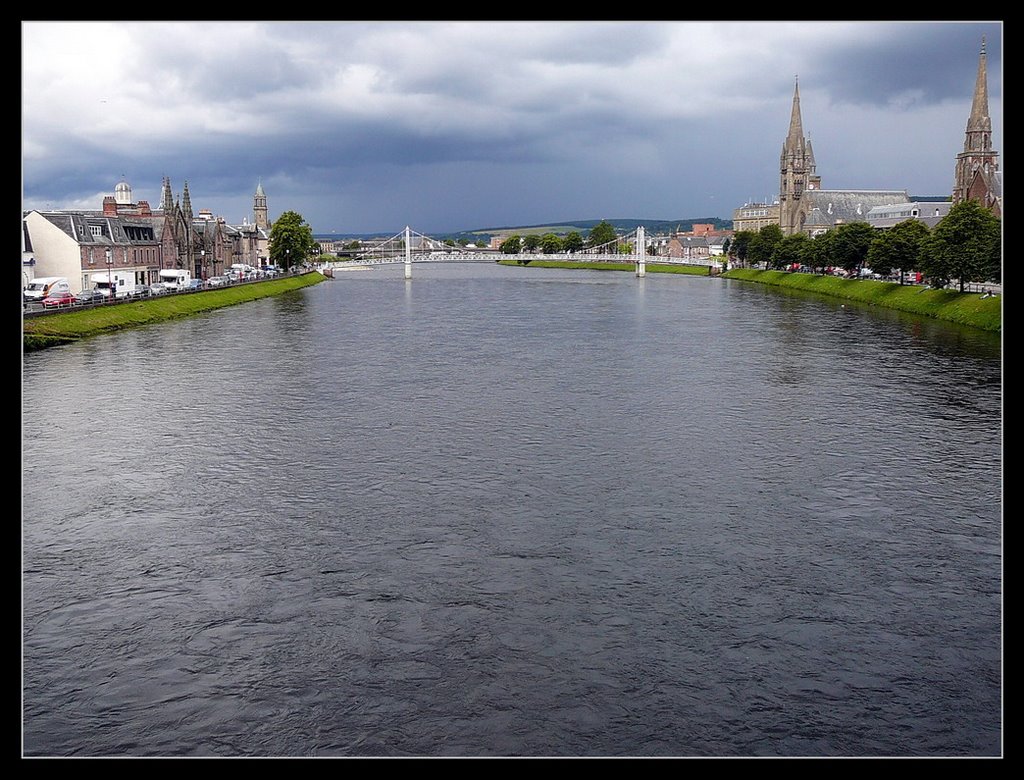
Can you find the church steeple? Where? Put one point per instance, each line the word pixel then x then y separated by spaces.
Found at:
pixel 259 207
pixel 979 125
pixel 977 154
pixel 796 168
pixel 166 199
pixel 796 127
pixel 186 205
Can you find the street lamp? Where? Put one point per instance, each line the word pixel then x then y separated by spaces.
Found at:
pixel 202 264
pixel 110 275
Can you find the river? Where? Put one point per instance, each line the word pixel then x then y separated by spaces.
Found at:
pixel 496 511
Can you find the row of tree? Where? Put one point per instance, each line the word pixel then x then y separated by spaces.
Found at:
pixel 966 245
pixel 551 244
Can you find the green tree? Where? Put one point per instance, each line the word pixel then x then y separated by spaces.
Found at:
pixel 550 244
pixel 819 253
pixel 966 245
pixel 898 247
pixel 791 249
pixel 531 243
pixel 356 244
pixel 291 241
pixel 510 246
pixel 602 233
pixel 850 245
pixel 463 241
pixel 573 242
pixel 741 244
pixel 763 244
pixel 449 242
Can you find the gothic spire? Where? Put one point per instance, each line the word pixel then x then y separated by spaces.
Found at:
pixel 166 199
pixel 979 120
pixel 186 204
pixel 796 128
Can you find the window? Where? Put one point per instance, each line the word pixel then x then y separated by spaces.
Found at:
pixel 96 230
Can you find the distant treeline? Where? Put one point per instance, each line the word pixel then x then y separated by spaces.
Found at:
pixel 483 235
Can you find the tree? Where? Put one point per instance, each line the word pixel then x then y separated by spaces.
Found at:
pixel 602 233
pixel 573 242
pixel 740 244
pixel 791 249
pixel 550 244
pixel 898 247
pixel 763 244
pixel 356 244
pixel 850 245
pixel 966 245
pixel 531 243
pixel 291 241
pixel 819 254
pixel 510 246
pixel 463 241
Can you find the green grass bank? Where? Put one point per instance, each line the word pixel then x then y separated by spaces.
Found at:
pixel 62 327
pixel 655 268
pixel 963 308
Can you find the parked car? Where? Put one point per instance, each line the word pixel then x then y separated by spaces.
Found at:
pixel 158 288
pixel 217 281
pixel 58 300
pixel 142 291
pixel 90 296
pixel 195 284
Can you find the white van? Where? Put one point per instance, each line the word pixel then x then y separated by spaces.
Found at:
pixel 175 278
pixel 45 286
pixel 120 283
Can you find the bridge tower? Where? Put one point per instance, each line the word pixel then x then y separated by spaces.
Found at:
pixel 641 252
pixel 408 253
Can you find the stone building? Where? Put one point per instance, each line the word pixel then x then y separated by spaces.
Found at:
pixel 754 216
pixel 977 176
pixel 129 236
pixel 804 207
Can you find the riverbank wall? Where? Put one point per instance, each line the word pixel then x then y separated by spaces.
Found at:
pixel 65 326
pixel 964 308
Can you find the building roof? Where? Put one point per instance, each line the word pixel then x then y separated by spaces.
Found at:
pixel 837 206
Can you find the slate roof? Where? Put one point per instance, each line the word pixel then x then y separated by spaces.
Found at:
pixel 847 205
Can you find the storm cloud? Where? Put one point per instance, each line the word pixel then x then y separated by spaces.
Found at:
pixel 369 126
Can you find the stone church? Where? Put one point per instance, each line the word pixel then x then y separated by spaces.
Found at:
pixel 804 207
pixel 977 174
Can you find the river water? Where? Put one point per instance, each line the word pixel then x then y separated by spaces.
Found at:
pixel 497 511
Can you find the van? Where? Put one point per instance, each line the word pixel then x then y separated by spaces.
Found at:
pixel 45 286
pixel 175 278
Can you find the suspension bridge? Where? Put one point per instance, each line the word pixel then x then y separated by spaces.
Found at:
pixel 409 246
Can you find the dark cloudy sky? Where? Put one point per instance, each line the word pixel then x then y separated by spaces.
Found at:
pixel 447 126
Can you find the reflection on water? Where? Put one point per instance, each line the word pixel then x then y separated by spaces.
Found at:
pixel 505 511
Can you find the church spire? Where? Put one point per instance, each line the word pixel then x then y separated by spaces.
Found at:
pixel 166 199
pixel 978 157
pixel 979 121
pixel 186 204
pixel 796 128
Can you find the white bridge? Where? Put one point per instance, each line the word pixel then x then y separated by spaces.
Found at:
pixel 410 247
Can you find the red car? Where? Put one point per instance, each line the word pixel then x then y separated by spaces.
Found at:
pixel 59 300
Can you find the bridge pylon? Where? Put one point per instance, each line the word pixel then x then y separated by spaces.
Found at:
pixel 641 252
pixel 408 252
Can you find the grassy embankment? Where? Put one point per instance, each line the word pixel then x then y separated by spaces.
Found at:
pixel 964 308
pixel 64 326
pixel 695 270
